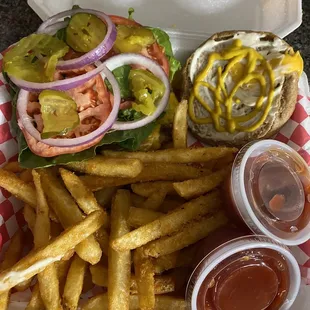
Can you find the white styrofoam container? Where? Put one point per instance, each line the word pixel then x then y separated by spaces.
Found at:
pixel 190 22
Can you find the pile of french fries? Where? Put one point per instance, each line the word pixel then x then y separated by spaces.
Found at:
pixel 128 222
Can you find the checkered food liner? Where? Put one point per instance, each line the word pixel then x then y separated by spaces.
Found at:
pixel 296 133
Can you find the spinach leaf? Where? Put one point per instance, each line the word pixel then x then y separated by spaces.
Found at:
pixel 128 115
pixel 122 76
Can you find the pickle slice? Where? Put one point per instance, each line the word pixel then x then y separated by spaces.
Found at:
pixel 85 32
pixel 59 113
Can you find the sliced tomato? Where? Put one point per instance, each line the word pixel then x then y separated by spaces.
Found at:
pixel 156 52
pixel 119 20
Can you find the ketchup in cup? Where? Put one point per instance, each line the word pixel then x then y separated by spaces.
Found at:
pixel 269 191
pixel 249 272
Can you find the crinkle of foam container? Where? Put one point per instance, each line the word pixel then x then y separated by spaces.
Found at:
pixel 296 133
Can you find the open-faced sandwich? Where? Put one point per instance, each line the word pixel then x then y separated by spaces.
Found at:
pixel 241 86
pixel 86 80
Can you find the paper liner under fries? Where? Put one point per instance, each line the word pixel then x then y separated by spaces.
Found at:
pixel 296 133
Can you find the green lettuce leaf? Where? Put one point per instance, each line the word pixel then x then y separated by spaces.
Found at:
pixel 128 115
pixel 163 40
pixel 122 76
pixel 127 139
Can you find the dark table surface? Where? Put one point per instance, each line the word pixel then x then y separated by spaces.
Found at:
pixel 18 20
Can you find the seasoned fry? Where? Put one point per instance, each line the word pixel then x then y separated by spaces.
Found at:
pixel 137 201
pixel 14 167
pixel 47 279
pixel 102 238
pixel 37 260
pixel 223 162
pixel 104 196
pixel 162 302
pixel 191 233
pixel 109 167
pixel 17 187
pixel 36 302
pixel 74 283
pixel 119 262
pixel 30 217
pixel 26 176
pixel 185 155
pixel 162 285
pixel 69 214
pixel 81 193
pixel 150 172
pixel 170 204
pixel 138 217
pixel 168 223
pixel 196 187
pixel 176 259
pixel 146 189
pixel 154 201
pixel 99 274
pixel 144 275
pixel 179 132
pixel 11 256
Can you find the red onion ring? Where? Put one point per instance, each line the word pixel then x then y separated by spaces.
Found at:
pixel 26 120
pixel 156 69
pixel 51 25
pixel 61 85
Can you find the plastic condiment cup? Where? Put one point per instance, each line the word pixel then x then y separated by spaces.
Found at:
pixel 233 247
pixel 269 169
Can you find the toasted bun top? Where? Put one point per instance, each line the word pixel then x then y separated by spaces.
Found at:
pixel 285 81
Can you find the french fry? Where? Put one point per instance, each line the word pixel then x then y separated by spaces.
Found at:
pixel 179 131
pixel 47 279
pixel 150 172
pixel 69 214
pixel 23 286
pixel 170 204
pixel 26 176
pixel 74 283
pixel 138 217
pixel 36 302
pixel 162 302
pixel 81 193
pixel 14 167
pixel 11 256
pixel 99 274
pixel 168 223
pixel 39 259
pixel 144 274
pixel 154 201
pixel 30 217
pixel 162 285
pixel 196 187
pixel 190 234
pixel 119 262
pixel 102 238
pixel 109 167
pixel 62 271
pixel 176 259
pixel 185 155
pixel 137 201
pixel 17 187
pixel 104 196
pixel 146 189
pixel 223 162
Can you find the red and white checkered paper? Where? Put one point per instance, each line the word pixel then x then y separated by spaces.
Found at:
pixel 296 133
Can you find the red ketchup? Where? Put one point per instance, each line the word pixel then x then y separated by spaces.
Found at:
pixel 269 192
pixel 249 272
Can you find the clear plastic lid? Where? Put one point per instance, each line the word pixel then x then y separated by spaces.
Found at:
pixel 228 252
pixel 270 188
